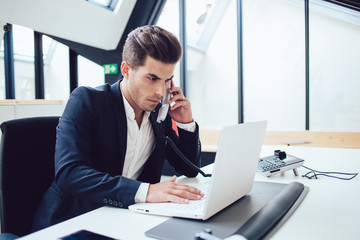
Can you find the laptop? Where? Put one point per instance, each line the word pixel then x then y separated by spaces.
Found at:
pixel 232 178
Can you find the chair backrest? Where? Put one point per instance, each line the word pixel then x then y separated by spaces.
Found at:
pixel 26 170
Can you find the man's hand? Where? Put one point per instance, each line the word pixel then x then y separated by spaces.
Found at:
pixel 180 108
pixel 169 191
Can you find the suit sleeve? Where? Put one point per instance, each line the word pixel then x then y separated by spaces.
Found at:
pixel 188 143
pixel 75 173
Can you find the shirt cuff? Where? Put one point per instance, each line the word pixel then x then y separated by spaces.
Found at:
pixel 140 196
pixel 190 127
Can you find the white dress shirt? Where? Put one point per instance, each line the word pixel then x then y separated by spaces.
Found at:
pixel 140 145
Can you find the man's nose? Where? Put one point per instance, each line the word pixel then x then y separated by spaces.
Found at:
pixel 160 89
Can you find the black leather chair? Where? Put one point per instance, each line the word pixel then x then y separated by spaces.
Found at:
pixel 26 170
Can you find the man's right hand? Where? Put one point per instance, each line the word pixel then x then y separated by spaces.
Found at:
pixel 169 191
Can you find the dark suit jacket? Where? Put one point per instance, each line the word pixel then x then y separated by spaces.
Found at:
pixel 90 152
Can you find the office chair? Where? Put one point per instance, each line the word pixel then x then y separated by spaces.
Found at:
pixel 26 170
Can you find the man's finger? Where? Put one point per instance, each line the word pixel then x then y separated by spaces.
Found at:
pixel 173 179
pixel 185 194
pixel 178 104
pixel 189 189
pixel 185 191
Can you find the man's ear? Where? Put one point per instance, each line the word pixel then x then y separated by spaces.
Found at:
pixel 125 67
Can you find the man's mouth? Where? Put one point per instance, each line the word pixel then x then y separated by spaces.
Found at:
pixel 154 101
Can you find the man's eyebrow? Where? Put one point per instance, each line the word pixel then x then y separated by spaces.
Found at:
pixel 156 77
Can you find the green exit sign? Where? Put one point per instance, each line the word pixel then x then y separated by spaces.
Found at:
pixel 111 68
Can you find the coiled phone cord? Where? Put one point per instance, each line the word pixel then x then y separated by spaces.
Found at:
pixel 182 156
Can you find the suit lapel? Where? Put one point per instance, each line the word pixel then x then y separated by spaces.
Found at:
pixel 152 171
pixel 157 127
pixel 159 134
pixel 119 110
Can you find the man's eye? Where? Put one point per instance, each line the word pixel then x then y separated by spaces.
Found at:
pixel 152 78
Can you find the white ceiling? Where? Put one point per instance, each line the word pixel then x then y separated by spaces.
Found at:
pixel 74 20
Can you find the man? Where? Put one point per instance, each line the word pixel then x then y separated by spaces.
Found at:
pixel 110 148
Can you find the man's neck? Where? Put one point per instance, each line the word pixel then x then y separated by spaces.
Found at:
pixel 139 113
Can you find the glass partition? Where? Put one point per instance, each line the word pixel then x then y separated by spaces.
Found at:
pixel 274 63
pixel 334 67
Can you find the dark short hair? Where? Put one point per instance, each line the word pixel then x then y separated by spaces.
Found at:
pixel 152 41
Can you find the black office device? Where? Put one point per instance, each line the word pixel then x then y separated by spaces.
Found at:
pixel 85 235
pixel 278 163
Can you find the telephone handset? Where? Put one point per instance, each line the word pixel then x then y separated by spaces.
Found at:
pixel 165 106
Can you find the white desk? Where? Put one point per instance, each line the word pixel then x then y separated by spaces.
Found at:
pixel 329 211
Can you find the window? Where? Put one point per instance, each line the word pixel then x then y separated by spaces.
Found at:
pixel 24 73
pixel 56 70
pixel 107 4
pixel 274 63
pixel 90 73
pixel 211 58
pixel 169 20
pixel 24 70
pixel 203 18
pixel 334 67
pixel 2 70
pixel 56 66
pixel 212 66
pixel 49 49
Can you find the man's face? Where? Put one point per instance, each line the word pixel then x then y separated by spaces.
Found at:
pixel 146 85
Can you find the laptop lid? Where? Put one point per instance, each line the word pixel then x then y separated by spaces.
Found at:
pixel 235 165
pixel 233 174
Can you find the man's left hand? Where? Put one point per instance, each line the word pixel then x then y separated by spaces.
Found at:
pixel 180 108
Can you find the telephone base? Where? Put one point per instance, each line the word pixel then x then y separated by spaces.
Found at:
pixel 272 165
